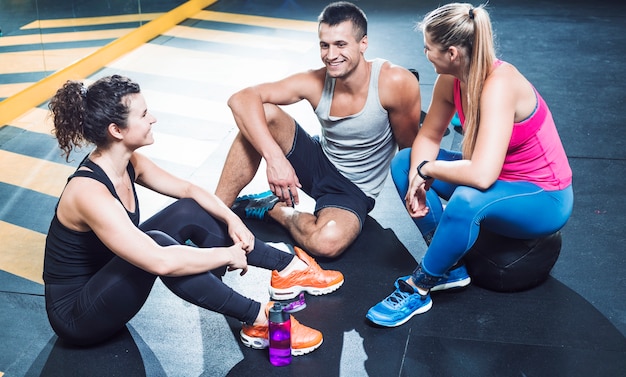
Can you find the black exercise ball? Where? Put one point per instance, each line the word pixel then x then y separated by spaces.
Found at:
pixel 504 264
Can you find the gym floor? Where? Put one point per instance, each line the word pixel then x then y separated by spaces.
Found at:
pixel 572 325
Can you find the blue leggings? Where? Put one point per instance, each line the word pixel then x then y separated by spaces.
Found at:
pixel 513 209
pixel 94 311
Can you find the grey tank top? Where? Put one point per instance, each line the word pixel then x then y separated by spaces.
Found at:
pixel 361 145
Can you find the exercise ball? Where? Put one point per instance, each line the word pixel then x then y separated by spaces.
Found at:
pixel 505 264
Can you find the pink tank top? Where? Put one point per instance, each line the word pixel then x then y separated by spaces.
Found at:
pixel 535 153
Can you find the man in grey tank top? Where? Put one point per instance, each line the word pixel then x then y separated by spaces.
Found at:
pixel 367 110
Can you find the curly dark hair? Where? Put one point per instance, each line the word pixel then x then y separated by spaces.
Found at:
pixel 82 115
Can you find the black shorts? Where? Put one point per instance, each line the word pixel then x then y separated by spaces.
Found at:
pixel 321 180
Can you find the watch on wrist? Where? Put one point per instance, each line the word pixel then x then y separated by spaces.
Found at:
pixel 419 171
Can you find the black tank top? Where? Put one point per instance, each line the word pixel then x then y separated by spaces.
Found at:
pixel 72 257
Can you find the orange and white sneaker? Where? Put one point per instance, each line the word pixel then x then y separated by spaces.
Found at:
pixel 303 339
pixel 313 280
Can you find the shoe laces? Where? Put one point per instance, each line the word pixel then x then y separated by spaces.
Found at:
pixel 256 212
pixel 400 295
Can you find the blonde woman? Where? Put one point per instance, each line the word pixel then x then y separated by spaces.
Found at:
pixel 511 177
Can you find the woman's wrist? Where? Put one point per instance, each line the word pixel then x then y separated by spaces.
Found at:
pixel 419 171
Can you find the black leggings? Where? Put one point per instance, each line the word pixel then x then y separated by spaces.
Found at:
pixel 92 312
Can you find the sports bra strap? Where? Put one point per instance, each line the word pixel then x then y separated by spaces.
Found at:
pixel 96 173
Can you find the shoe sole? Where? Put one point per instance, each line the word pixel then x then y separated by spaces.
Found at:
pixel 304 351
pixel 452 285
pixel 421 310
pixel 260 343
pixel 292 292
pixel 253 342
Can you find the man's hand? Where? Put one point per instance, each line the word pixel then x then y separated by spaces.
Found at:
pixel 283 181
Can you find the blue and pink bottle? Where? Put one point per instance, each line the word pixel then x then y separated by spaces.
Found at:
pixel 280 336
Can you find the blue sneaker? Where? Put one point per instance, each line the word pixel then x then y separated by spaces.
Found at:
pixel 453 279
pixel 400 306
pixel 254 206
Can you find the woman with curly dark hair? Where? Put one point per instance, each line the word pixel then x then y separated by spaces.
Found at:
pixel 100 264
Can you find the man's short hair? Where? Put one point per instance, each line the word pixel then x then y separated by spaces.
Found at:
pixel 341 11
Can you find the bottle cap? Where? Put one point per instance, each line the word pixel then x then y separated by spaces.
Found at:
pixel 277 315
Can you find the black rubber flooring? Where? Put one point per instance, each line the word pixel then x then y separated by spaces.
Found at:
pixel 572 325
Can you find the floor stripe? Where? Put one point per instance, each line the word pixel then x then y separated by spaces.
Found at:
pixel 238 39
pixel 269 22
pixel 26 208
pixel 35 120
pixel 33 173
pixel 7 90
pixel 38 39
pixel 34 144
pixel 16 78
pixel 51 61
pixel 204 66
pixel 89 21
pixel 199 108
pixel 22 252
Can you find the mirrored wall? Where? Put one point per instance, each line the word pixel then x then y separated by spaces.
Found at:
pixel 40 37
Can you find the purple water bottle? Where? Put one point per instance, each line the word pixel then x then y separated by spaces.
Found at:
pixel 280 336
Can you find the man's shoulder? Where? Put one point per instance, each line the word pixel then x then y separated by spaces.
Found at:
pixel 389 68
pixel 393 75
pixel 310 78
pixel 315 73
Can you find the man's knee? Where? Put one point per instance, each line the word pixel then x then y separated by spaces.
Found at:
pixel 331 240
pixel 326 249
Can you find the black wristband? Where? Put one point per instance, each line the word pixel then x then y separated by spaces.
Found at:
pixel 419 171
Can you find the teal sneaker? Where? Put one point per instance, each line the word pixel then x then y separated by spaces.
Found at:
pixel 254 206
pixel 456 121
pixel 400 306
pixel 453 279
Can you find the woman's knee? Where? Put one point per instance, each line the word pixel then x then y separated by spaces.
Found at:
pixel 177 212
pixel 162 238
pixel 465 199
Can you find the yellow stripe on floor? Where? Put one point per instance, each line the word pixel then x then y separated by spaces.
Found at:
pixel 35 61
pixel 22 252
pixel 88 21
pixel 243 19
pixel 91 35
pixel 238 39
pixel 32 173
